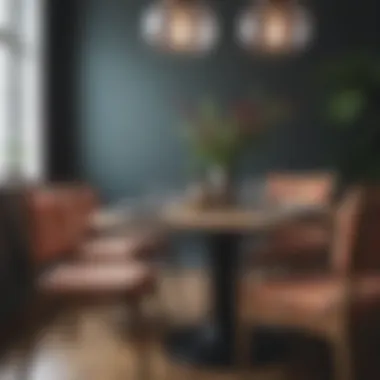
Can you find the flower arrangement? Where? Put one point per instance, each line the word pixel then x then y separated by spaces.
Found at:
pixel 219 137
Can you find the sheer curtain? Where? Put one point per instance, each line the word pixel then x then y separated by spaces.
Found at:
pixel 21 89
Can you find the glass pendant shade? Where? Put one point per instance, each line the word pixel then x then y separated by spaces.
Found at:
pixel 275 26
pixel 181 26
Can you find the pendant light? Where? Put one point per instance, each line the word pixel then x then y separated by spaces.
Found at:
pixel 181 26
pixel 275 26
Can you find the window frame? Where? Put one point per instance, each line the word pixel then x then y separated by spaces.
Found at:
pixel 24 145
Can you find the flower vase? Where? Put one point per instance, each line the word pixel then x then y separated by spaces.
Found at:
pixel 220 186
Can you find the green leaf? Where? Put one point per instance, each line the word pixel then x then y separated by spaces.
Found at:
pixel 209 110
pixel 347 106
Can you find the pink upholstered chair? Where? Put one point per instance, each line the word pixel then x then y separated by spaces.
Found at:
pixel 300 244
pixel 326 305
pixel 78 203
pixel 305 189
pixel 73 284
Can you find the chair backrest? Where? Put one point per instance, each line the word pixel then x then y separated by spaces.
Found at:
pixel 58 215
pixel 82 199
pixel 73 218
pixel 89 199
pixel 345 231
pixel 356 238
pixel 45 225
pixel 88 203
pixel 305 189
pixel 367 253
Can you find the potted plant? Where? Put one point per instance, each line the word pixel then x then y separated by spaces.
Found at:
pixel 352 91
pixel 218 139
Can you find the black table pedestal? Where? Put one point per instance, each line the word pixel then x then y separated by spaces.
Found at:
pixel 194 345
pixel 213 344
pixel 199 346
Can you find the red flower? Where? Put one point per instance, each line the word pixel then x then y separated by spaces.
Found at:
pixel 245 112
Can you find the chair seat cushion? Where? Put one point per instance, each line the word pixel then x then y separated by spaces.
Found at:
pixel 300 237
pixel 303 296
pixel 303 300
pixel 294 247
pixel 127 246
pixel 112 248
pixel 103 221
pixel 78 278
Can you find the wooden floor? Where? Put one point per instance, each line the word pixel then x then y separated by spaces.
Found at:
pixel 100 351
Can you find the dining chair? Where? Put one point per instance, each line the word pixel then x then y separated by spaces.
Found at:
pixel 126 242
pixel 325 305
pixel 74 284
pixel 144 237
pixel 140 239
pixel 308 189
pixel 301 243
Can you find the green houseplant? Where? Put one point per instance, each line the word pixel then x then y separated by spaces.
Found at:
pixel 352 91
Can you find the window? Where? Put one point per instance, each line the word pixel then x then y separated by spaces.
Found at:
pixel 4 12
pixel 21 86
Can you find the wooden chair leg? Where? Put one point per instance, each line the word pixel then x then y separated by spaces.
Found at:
pixel 342 357
pixel 72 325
pixel 242 350
pixel 161 316
pixel 161 323
pixel 140 340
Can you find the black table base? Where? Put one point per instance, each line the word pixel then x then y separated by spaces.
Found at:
pixel 199 346
pixel 213 345
pixel 202 347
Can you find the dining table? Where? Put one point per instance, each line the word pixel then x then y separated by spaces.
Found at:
pixel 211 344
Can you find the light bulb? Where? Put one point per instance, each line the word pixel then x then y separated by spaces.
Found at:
pixel 275 30
pixel 185 27
pixel 180 29
pixel 275 27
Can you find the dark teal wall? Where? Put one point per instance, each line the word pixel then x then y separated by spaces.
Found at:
pixel 130 97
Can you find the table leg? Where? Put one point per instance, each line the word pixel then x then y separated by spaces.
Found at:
pixel 213 343
pixel 224 258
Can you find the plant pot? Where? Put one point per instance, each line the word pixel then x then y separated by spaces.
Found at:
pixel 197 196
pixel 220 185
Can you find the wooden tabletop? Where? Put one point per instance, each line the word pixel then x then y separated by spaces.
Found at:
pixel 105 220
pixel 237 219
pixel 184 217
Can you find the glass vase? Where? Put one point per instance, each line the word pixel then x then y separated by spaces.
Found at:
pixel 219 182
